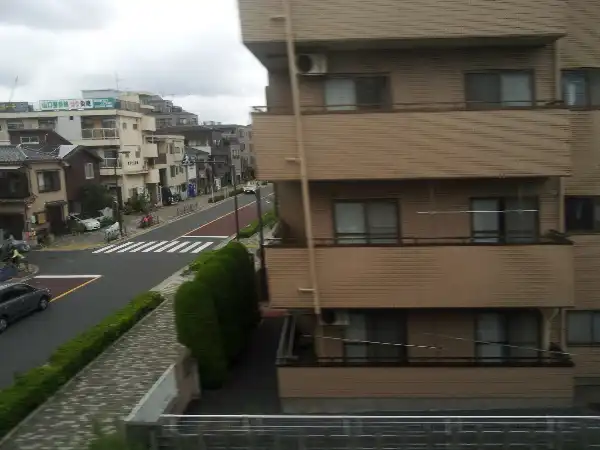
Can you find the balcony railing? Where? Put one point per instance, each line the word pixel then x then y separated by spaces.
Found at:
pixel 100 133
pixel 5 194
pixel 110 164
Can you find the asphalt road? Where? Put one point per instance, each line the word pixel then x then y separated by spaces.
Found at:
pixel 89 285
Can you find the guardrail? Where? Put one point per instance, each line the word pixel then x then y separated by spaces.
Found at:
pixel 187 209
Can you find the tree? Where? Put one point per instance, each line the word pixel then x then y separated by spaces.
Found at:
pixel 95 197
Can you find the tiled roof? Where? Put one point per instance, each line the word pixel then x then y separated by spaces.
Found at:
pixel 18 153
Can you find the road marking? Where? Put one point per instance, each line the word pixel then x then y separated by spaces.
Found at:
pixel 219 218
pixel 70 291
pixel 131 249
pixel 204 237
pixel 177 247
pixel 100 250
pixel 187 249
pixel 164 247
pixel 127 244
pixel 152 247
pixel 143 246
pixel 202 247
pixel 66 276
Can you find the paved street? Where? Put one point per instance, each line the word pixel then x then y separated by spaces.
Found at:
pixel 118 276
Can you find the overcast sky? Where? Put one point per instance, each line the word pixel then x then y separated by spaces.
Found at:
pixel 187 48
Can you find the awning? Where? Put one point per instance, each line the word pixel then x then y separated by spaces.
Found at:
pixel 10 167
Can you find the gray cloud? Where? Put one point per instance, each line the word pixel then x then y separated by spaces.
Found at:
pixel 56 14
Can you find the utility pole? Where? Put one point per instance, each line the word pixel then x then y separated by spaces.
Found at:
pixel 235 204
pixel 263 281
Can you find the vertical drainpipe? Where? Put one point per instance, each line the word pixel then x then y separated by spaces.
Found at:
pixel 291 55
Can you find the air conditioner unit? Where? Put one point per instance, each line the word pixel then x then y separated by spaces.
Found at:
pixel 338 317
pixel 311 64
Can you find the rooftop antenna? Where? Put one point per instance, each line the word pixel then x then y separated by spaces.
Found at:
pixel 117 79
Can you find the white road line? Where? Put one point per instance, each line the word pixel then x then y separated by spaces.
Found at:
pixel 146 244
pixel 67 276
pixel 177 247
pixel 103 249
pixel 205 237
pixel 187 249
pixel 128 249
pixel 164 247
pixel 202 247
pixel 127 244
pixel 152 247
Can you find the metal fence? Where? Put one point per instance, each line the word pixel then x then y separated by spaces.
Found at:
pixel 329 432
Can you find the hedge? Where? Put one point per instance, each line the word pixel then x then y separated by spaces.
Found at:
pixel 220 197
pixel 216 313
pixel 34 387
pixel 268 219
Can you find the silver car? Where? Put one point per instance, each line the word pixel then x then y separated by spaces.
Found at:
pixel 20 299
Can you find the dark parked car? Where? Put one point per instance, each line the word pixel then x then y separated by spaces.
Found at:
pixel 20 299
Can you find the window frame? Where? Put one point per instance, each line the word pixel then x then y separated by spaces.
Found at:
pixel 506 316
pixel 595 199
pixel 470 104
pixel 28 139
pixel 388 98
pixel 338 237
pixel 88 167
pixel 587 73
pixel 591 342
pixel 43 173
pixel 502 235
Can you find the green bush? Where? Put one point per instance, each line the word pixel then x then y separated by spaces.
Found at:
pixel 220 197
pixel 268 219
pixel 34 387
pixel 199 330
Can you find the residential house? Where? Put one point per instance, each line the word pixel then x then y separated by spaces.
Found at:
pixel 33 193
pixel 196 160
pixel 167 114
pixel 429 158
pixel 169 163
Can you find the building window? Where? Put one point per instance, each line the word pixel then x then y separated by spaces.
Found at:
pixel 111 158
pixel 124 125
pixel 581 87
pixel 138 152
pixel 582 214
pixel 501 88
pixel 173 171
pixel 14 125
pixel 135 126
pixel 362 222
pixel 48 124
pixel 48 181
pixel 504 220
pixel 89 171
pixel 30 140
pixel 107 123
pixel 369 331
pixel 343 94
pixel 583 327
pixel 507 335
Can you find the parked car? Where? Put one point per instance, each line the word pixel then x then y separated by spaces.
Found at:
pixel 250 188
pixel 20 299
pixel 90 224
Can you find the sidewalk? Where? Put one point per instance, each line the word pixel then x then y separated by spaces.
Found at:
pixel 165 214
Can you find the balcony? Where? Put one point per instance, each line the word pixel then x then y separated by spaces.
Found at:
pixel 111 167
pixel 377 383
pixel 100 136
pixel 148 123
pixel 150 150
pixel 437 273
pixel 438 142
pixel 476 22
pixel 153 176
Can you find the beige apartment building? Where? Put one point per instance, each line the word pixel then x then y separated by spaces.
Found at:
pixel 113 123
pixel 437 168
pixel 172 174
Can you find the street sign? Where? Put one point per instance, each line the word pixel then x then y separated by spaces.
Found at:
pixel 77 103
pixel 11 107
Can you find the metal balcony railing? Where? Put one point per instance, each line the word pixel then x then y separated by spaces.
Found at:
pixel 110 163
pixel 100 133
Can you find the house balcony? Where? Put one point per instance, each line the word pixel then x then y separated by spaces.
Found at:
pixel 111 167
pixel 148 122
pixel 150 150
pixel 324 23
pixel 311 384
pixel 153 176
pixel 409 142
pixel 436 273
pixel 100 136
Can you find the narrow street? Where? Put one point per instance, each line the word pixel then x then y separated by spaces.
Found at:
pixel 89 285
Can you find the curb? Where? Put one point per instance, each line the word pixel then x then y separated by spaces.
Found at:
pixel 115 241
pixel 31 415
pixel 34 271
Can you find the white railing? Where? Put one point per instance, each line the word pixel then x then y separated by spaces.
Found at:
pixel 110 163
pixel 100 133
pixel 427 432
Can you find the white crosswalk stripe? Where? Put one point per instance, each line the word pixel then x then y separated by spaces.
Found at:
pixel 178 246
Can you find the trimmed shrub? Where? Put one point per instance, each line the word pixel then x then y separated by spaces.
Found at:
pixel 199 330
pixel 268 219
pixel 219 197
pixel 36 386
